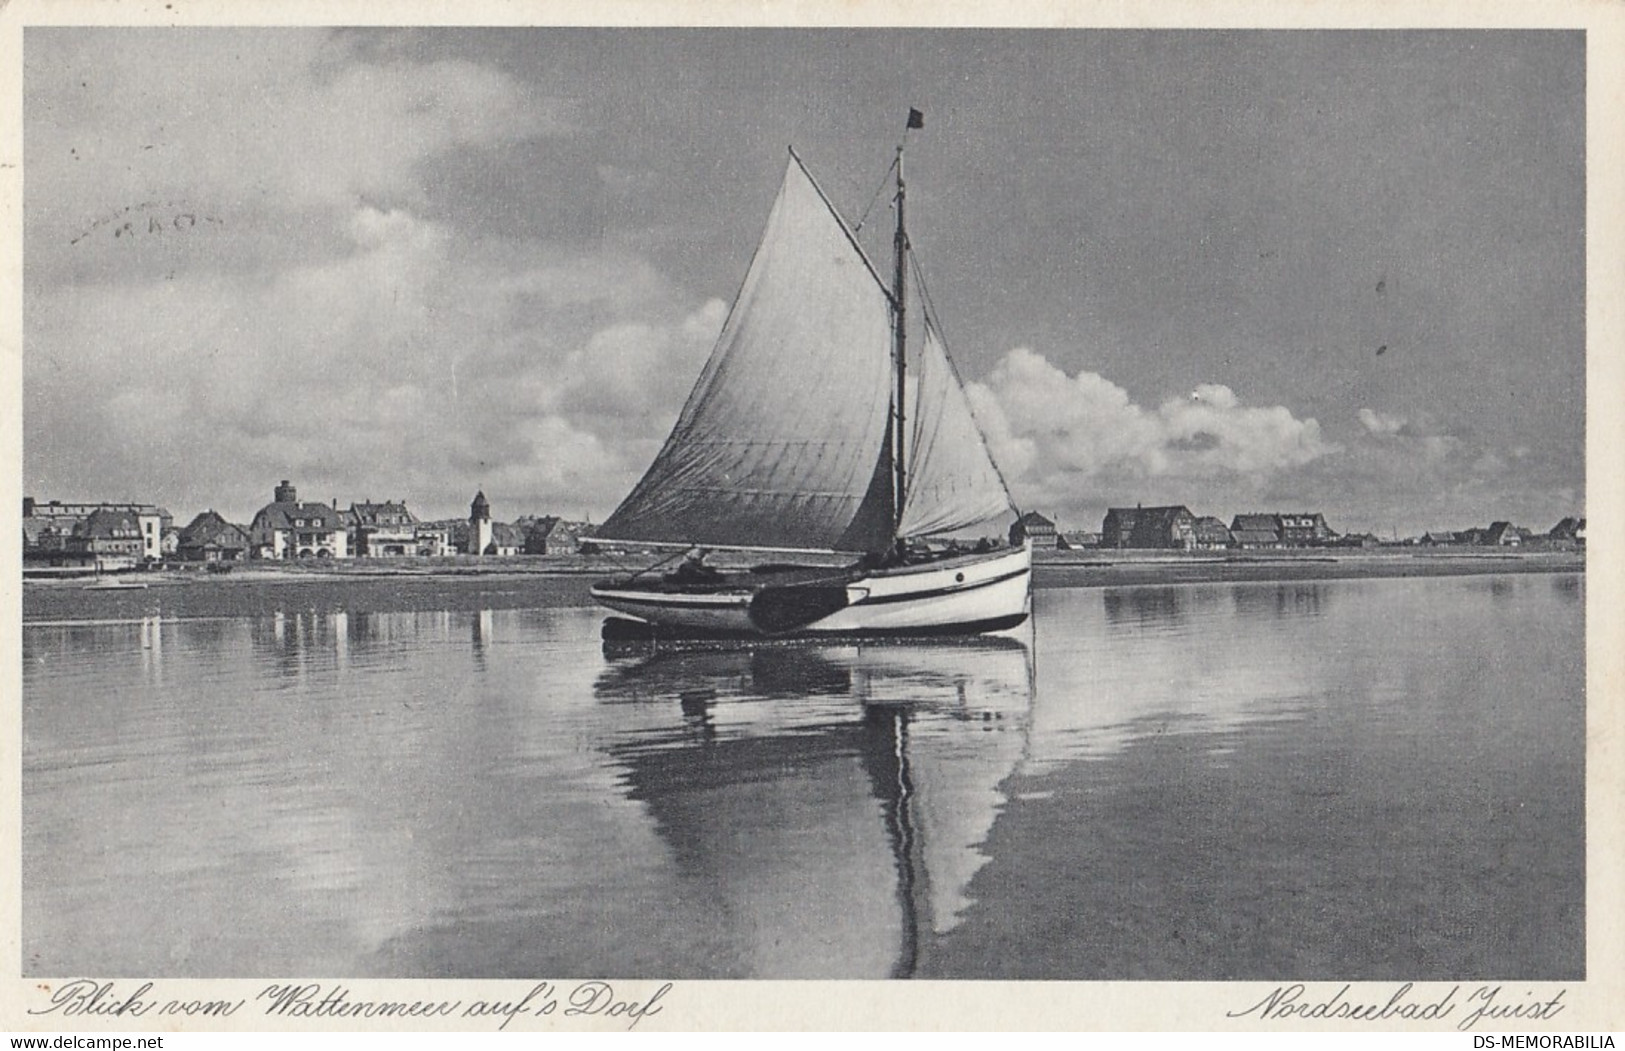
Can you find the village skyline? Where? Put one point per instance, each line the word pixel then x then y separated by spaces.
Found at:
pixel 560 509
pixel 67 533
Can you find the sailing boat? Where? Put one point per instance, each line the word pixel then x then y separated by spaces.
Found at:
pixel 816 426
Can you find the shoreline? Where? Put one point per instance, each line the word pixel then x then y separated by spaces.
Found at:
pixel 1050 568
pixel 1311 564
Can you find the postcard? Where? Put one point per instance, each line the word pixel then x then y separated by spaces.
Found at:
pixel 554 517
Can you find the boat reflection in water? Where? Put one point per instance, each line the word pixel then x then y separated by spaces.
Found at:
pixel 830 801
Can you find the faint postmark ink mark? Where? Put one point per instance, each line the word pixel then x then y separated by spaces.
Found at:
pixel 149 219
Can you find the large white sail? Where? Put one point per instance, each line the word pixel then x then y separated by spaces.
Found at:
pixel 952 482
pixel 808 430
pixel 783 442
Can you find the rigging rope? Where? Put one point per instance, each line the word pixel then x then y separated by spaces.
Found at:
pixel 878 191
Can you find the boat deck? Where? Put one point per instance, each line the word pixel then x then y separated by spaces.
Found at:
pixel 705 581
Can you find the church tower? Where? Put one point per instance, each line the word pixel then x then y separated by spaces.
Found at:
pixel 479 524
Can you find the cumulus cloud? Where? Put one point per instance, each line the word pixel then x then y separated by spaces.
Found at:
pixel 1381 424
pixel 324 324
pixel 250 121
pixel 1406 471
pixel 1057 434
pixel 1416 440
pixel 396 369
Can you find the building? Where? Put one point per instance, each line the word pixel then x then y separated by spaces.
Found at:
pixel 1253 532
pixel 42 534
pixel 536 529
pixel 479 526
pixel 1284 529
pixel 210 538
pixel 1502 534
pixel 506 540
pixel 1569 531
pixel 435 539
pixel 1304 529
pixel 1077 540
pixel 286 528
pixel 111 539
pixel 1254 539
pixel 1211 534
pixel 551 535
pixel 449 535
pixel 1035 527
pixel 382 530
pixel 1158 527
pixel 53 522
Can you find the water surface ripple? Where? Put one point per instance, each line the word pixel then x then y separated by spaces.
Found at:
pixel 1353 779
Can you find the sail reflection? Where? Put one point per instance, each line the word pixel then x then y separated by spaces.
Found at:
pixel 834 799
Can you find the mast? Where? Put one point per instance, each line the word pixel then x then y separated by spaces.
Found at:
pixel 916 119
pixel 899 337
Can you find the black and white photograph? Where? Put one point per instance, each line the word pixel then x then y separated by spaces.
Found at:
pixel 598 509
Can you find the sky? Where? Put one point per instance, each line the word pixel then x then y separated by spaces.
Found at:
pixel 1333 271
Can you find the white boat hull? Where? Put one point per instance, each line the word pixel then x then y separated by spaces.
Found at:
pixel 968 594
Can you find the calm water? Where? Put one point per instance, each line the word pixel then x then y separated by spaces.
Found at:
pixel 1350 779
